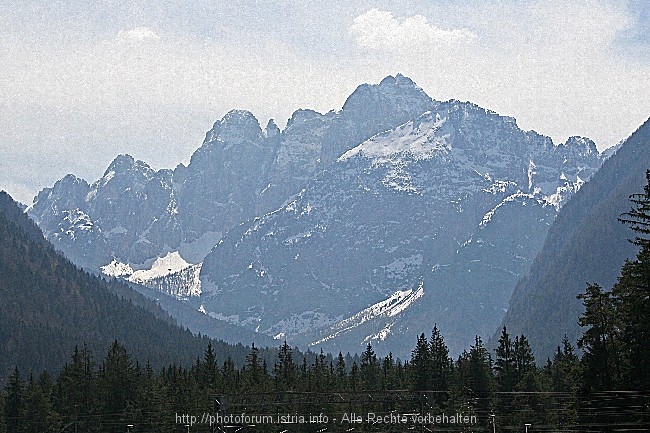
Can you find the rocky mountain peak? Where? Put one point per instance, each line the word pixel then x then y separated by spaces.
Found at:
pixel 582 145
pixel 272 130
pixel 302 115
pixel 120 164
pixel 398 80
pixel 394 93
pixel 236 125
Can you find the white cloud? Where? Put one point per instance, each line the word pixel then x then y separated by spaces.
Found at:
pixel 137 34
pixel 552 65
pixel 379 29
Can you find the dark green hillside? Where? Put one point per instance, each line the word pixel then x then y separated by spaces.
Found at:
pixel 585 244
pixel 48 306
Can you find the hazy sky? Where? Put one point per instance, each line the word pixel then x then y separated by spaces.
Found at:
pixel 81 81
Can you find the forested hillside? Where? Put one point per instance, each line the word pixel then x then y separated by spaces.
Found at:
pixel 48 306
pixel 584 245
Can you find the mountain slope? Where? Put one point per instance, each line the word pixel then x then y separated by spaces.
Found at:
pixel 47 306
pixel 586 244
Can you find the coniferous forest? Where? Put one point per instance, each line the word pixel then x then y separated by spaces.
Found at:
pixel 602 385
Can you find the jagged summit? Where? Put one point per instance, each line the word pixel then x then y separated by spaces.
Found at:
pixel 272 130
pixel 302 115
pixel 69 180
pixel 398 79
pixel 399 92
pixel 235 125
pixel 583 145
pixel 121 162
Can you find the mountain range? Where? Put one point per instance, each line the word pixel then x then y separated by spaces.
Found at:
pixel 368 224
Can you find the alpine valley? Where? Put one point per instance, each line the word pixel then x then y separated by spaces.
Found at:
pixel 365 225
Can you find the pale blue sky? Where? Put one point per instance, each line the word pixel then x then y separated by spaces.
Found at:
pixel 82 81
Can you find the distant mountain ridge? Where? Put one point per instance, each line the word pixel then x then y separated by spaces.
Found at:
pixel 335 229
pixel 586 244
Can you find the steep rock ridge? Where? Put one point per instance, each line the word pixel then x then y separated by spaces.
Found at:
pixel 585 244
pixel 218 189
pixel 452 206
pixel 127 214
pixel 312 141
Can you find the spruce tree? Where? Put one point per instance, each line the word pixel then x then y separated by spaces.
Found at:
pixel 210 370
pixel 37 411
pixel 504 365
pixel 599 341
pixel 341 373
pixel 253 375
pixel 421 365
pixel 638 218
pixel 441 366
pixel 369 369
pixel 632 296
pixel 284 370
pixel 524 358
pixel 117 382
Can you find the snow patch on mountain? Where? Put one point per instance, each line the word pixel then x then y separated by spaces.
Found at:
pixel 396 304
pixel 488 216
pixel 117 269
pixel 169 263
pixel 417 140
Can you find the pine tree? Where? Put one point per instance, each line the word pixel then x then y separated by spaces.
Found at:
pixel 284 370
pixel 341 373
pixel 118 385
pixel 565 368
pixel 524 359
pixel 37 411
pixel 76 393
pixel 421 365
pixel 479 372
pixel 504 365
pixel 632 296
pixel 354 377
pixel 476 378
pixel 369 369
pixel 253 376
pixel 210 369
pixel 599 341
pixel 230 376
pixel 387 372
pixel 441 363
pixel 638 218
pixel 564 377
